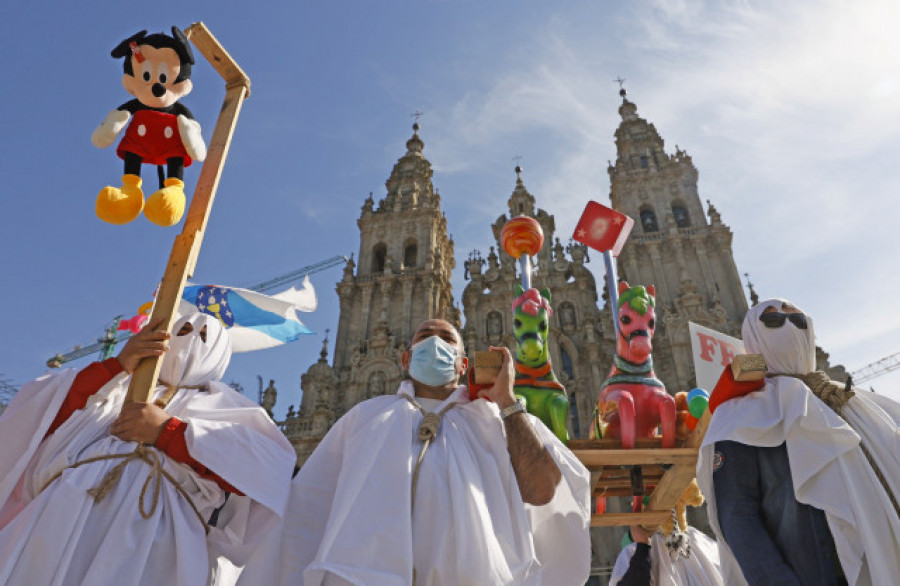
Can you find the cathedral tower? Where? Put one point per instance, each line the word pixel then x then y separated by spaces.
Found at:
pixel 673 247
pixel 402 277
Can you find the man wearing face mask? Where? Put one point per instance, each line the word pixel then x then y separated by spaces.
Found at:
pixel 428 487
pixel 800 475
pixel 96 492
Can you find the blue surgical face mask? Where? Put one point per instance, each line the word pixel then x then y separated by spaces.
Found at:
pixel 433 362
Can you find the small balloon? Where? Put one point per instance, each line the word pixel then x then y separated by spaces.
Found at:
pixel 698 400
pixel 133 324
pixel 691 421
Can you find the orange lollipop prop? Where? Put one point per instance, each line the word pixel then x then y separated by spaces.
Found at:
pixel 522 237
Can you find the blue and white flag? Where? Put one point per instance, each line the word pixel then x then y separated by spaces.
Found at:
pixel 254 320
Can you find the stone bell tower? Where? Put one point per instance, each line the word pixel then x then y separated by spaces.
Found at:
pixel 402 277
pixel 673 246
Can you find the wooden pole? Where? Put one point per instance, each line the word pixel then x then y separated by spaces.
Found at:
pixel 183 257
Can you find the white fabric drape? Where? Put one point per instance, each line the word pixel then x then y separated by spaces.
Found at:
pixel 700 569
pixel 349 514
pixel 60 536
pixel 828 468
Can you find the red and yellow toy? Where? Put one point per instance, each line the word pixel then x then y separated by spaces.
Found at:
pixel 161 131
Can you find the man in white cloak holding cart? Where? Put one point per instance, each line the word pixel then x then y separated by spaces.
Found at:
pixel 90 495
pixel 428 487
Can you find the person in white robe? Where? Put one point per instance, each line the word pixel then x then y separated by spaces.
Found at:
pixel 484 495
pixel 700 567
pixel 848 472
pixel 148 525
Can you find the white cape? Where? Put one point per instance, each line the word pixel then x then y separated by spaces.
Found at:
pixel 700 569
pixel 349 512
pixel 60 536
pixel 828 468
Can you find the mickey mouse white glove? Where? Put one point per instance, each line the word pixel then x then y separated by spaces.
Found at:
pixel 191 138
pixel 109 129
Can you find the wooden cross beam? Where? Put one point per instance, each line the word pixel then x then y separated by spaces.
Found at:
pixel 183 257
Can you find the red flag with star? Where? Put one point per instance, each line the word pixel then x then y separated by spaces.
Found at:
pixel 603 228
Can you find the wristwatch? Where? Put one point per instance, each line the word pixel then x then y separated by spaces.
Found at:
pixel 517 407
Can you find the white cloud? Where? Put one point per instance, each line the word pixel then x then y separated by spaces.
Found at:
pixel 787 108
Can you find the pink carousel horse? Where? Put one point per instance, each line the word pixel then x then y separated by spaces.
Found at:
pixel 633 402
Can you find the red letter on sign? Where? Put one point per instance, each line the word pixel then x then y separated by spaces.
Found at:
pixel 707 347
pixel 727 352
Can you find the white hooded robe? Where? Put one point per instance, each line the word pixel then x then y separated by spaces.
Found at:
pixel 828 468
pixel 349 518
pixel 60 536
pixel 701 568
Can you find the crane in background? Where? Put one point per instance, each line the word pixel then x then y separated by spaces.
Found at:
pixel 876 369
pixel 7 390
pixel 107 344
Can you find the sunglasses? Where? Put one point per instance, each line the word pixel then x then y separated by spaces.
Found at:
pixel 775 319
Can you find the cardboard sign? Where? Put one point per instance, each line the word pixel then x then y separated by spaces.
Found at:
pixel 603 228
pixel 712 351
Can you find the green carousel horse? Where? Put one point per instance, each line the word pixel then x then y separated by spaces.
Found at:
pixel 535 383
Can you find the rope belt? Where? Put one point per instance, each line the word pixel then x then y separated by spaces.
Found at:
pixel 836 396
pixel 145 454
pixel 156 474
pixel 428 429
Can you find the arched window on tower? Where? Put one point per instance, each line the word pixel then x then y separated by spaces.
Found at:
pixel 648 219
pixel 680 213
pixel 567 363
pixel 573 412
pixel 567 319
pixel 410 255
pixel 494 325
pixel 376 384
pixel 379 253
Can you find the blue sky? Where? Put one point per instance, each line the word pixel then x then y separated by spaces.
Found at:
pixel 788 110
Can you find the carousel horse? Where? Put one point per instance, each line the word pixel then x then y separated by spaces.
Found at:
pixel 535 383
pixel 633 402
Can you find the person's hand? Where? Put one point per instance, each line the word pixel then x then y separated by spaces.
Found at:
pixel 501 392
pixel 147 342
pixel 139 422
pixel 640 535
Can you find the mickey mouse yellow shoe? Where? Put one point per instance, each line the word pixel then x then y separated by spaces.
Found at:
pixel 120 206
pixel 166 206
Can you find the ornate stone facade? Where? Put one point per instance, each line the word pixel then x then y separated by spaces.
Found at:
pixel 581 339
pixel 406 257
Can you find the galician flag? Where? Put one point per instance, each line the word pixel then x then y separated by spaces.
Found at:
pixel 254 320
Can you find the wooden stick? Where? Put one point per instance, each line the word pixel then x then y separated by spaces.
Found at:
pixel 674 482
pixel 217 56
pixel 183 257
pixel 636 457
pixel 648 518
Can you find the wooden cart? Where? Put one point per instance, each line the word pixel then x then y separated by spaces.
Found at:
pixel 664 474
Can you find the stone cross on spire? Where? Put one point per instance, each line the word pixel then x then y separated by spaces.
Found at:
pixel 754 298
pixel 621 81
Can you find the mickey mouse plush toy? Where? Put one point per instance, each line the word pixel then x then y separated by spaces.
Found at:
pixel 162 131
